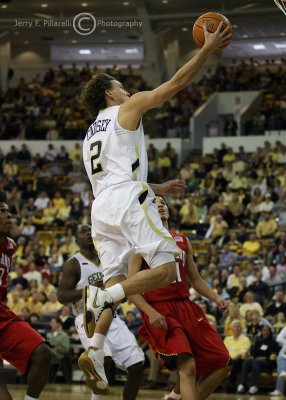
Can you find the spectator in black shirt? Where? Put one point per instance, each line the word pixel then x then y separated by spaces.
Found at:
pixel 67 320
pixel 264 352
pixel 24 154
pixel 20 279
pixel 259 287
pixel 276 306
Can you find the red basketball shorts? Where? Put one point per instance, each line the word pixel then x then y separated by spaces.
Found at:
pixel 188 332
pixel 17 339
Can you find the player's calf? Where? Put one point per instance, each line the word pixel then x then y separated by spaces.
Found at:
pixel 38 370
pixel 134 380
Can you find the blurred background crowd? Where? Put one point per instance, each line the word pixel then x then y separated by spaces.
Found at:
pixel 49 107
pixel 234 212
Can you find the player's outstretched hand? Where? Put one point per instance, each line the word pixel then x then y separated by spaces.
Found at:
pixel 157 320
pixel 218 39
pixel 175 187
pixel 221 304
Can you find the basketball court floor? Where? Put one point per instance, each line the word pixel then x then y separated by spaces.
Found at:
pixel 80 392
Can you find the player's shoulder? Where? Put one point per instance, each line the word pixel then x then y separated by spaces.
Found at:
pixel 10 245
pixel 181 240
pixel 72 262
pixel 178 237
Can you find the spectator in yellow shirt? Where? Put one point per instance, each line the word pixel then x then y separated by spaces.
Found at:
pixel 51 307
pixel 34 304
pixel 267 227
pixel 251 247
pixel 217 227
pixel 235 206
pixel 10 169
pixel 46 287
pixel 239 181
pixel 49 213
pixel 189 213
pixel 233 314
pixel 229 156
pixel 58 201
pixel 238 346
pixel 77 151
pixel 233 279
pixel 250 304
pixel 68 248
pixel 15 301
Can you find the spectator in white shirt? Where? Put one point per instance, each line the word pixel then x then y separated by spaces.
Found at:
pixel 267 205
pixel 28 229
pixel 42 201
pixel 33 274
pixel 78 186
pixel 51 154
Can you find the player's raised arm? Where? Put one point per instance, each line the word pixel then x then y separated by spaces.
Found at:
pixel 131 111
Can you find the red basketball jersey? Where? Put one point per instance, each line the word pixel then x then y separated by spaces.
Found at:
pixel 7 249
pixel 179 289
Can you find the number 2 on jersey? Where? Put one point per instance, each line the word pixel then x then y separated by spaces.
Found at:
pixel 96 167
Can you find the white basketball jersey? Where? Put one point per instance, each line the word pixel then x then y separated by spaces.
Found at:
pixel 90 275
pixel 113 155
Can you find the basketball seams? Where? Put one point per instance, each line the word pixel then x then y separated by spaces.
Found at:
pixel 215 19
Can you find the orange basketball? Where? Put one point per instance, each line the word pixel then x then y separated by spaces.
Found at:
pixel 211 20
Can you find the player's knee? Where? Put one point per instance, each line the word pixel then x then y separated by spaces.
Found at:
pixel 226 371
pixel 42 355
pixel 188 368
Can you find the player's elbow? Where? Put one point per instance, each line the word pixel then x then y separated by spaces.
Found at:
pixel 61 296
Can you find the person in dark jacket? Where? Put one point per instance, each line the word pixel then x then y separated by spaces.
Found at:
pixel 263 352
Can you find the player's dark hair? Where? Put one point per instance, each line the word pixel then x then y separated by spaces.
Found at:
pixel 93 93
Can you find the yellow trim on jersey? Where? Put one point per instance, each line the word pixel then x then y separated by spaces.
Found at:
pixel 134 173
pixel 149 219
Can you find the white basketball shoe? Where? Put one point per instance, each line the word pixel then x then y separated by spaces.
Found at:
pixel 91 362
pixel 95 301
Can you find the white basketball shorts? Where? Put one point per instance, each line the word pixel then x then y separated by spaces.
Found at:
pixel 125 221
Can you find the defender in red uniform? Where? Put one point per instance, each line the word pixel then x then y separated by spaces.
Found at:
pixel 178 330
pixel 20 345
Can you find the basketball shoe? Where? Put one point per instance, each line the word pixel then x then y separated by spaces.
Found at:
pixel 91 362
pixel 95 301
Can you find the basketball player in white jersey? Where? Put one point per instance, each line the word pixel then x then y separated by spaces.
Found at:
pixel 83 269
pixel 124 215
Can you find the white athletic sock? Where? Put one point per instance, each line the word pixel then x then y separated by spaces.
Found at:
pixel 97 341
pixel 116 292
pixel 174 395
pixel 30 398
pixel 95 397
